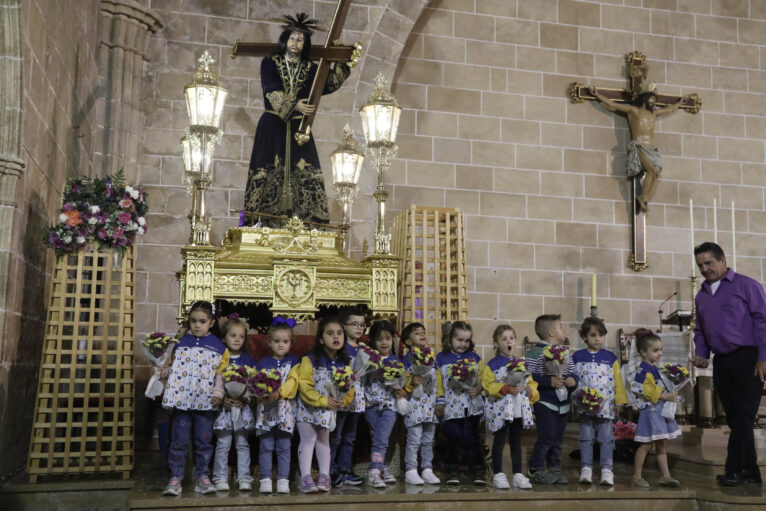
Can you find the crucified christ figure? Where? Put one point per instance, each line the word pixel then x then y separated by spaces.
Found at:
pixel 643 155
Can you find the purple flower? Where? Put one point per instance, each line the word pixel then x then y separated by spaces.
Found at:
pixel 66 208
pixel 75 187
pixel 124 218
pixel 118 232
pixel 102 234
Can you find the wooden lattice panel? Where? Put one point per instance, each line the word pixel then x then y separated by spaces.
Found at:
pixel 83 420
pixel 431 243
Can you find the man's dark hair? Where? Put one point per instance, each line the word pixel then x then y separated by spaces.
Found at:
pixel 711 247
pixel 640 99
pixel 282 43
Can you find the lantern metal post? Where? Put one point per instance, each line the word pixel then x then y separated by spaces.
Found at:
pixel 347 161
pixel 205 99
pixel 380 120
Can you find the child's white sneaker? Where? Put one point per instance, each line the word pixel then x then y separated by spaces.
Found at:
pixel 265 486
pixel 429 477
pixel 607 477
pixel 221 485
pixel 374 479
pixel 500 481
pixel 412 477
pixel 173 489
pixel 387 476
pixel 586 475
pixel 283 486
pixel 521 481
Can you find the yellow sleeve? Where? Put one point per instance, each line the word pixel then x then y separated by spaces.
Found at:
pixel 349 397
pixel 651 390
pixel 309 394
pixel 439 383
pixel 224 362
pixel 408 386
pixel 289 388
pixel 620 397
pixel 535 397
pixel 488 383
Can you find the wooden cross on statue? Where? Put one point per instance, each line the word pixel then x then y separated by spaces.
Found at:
pixel 330 52
pixel 641 104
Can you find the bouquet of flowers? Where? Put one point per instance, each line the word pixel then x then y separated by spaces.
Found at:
pixel 264 383
pixel 422 362
pixel 464 375
pixel 235 382
pixel 624 430
pixel 555 360
pixel 589 400
pixel 157 348
pixel 343 378
pixel 517 376
pixel 674 378
pixel 366 360
pixel 394 378
pixel 106 211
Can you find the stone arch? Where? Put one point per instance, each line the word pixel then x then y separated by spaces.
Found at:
pixel 386 44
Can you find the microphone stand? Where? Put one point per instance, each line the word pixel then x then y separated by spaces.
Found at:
pixel 659 330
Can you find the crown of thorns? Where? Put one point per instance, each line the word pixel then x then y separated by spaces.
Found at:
pixel 300 22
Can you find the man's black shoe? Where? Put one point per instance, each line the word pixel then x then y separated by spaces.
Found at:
pixel 732 479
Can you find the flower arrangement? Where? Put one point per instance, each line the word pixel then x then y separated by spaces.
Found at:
pixel 156 347
pixel 392 369
pixel 516 365
pixel 264 383
pixel 463 370
pixel 366 361
pixel 676 373
pixel 156 343
pixel 422 356
pixel 589 400
pixel 106 211
pixel 237 374
pixel 556 353
pixel 342 380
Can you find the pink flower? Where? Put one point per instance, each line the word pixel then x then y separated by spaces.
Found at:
pixel 118 232
pixel 124 218
pixel 126 203
pixel 102 234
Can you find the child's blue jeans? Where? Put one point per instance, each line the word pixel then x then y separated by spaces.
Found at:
pixel 599 429
pixel 381 422
pixel 183 420
pixel 278 440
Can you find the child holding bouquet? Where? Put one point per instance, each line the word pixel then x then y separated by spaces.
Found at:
pixel 192 394
pixel 381 389
pixel 652 396
pixel 554 372
pixel 600 397
pixel 316 406
pixel 508 408
pixel 344 435
pixel 236 419
pixel 420 422
pixel 275 414
pixel 458 399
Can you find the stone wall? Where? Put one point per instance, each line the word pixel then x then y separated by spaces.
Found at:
pixel 58 43
pixel 488 128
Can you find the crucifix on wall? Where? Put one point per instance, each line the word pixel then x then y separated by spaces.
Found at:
pixel 641 104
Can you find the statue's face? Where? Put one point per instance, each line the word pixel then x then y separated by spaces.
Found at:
pixel 295 45
pixel 650 103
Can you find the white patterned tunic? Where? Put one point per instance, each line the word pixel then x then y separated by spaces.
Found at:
pixel 196 361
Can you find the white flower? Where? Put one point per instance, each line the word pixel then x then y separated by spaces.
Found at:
pixel 95 210
pixel 62 217
pixel 132 226
pixel 141 220
pixel 93 220
pixel 129 189
pixel 80 240
pixel 67 238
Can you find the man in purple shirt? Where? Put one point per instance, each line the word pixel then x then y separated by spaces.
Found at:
pixel 731 323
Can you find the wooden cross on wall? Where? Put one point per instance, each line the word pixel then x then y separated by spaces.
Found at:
pixel 326 54
pixel 637 71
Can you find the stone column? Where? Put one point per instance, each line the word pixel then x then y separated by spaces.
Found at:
pixel 11 164
pixel 126 28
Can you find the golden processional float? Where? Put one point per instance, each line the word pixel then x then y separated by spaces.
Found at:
pixel 296 270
